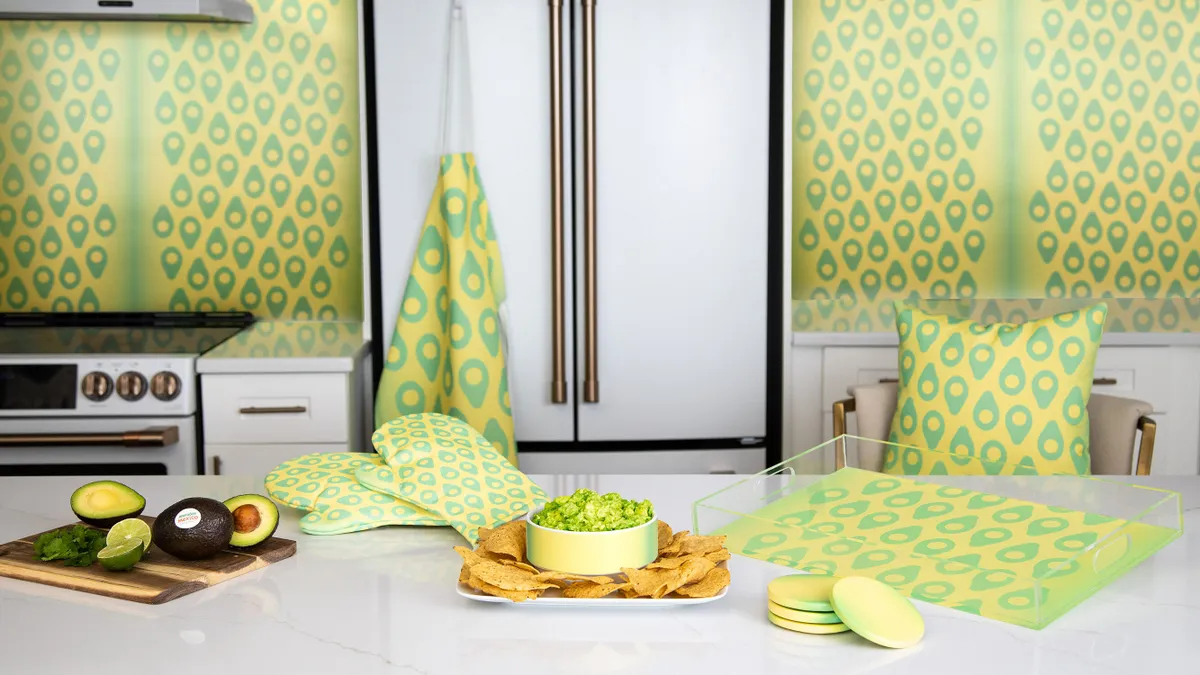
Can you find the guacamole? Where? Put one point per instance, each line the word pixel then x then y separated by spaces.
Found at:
pixel 586 511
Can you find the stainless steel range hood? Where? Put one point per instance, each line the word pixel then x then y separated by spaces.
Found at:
pixel 238 11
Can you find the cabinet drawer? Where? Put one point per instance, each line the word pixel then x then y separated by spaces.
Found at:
pixel 257 460
pixel 1142 373
pixel 276 408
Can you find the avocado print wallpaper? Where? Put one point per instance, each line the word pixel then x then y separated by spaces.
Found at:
pixel 994 156
pixel 183 166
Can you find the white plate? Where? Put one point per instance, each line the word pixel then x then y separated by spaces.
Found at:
pixel 553 598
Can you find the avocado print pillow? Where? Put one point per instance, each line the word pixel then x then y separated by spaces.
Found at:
pixel 323 483
pixel 445 466
pixel 1010 398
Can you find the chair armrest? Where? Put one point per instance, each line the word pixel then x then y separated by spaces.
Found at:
pixel 1149 428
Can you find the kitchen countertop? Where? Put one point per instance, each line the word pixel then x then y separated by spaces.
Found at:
pixel 1131 321
pixel 384 601
pixel 289 346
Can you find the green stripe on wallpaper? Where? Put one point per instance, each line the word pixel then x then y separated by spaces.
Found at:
pixel 995 150
pixel 183 166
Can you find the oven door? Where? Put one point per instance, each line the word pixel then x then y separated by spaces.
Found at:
pixel 126 446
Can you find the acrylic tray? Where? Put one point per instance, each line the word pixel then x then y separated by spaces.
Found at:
pixel 1020 549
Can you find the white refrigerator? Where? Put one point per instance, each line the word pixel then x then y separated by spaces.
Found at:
pixel 665 114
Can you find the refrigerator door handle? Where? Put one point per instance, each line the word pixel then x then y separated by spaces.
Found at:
pixel 591 385
pixel 558 390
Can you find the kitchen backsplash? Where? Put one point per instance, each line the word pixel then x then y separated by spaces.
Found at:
pixel 993 149
pixel 183 166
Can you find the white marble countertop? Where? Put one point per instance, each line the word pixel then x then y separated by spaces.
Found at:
pixel 384 601
pixel 271 346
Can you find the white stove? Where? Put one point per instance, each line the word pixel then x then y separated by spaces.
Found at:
pixel 104 393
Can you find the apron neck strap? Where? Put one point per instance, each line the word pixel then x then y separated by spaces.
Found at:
pixel 456 86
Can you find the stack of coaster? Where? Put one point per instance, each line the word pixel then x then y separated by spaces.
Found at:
pixel 824 605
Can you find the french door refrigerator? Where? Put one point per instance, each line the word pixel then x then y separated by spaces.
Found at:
pixel 626 150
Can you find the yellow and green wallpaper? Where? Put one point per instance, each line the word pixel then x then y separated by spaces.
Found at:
pixel 994 155
pixel 183 166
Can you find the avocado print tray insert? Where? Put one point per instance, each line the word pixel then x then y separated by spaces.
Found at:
pixel 1019 549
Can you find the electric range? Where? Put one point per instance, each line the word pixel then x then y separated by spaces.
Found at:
pixel 106 393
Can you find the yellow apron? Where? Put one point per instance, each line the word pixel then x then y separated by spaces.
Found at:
pixel 448 353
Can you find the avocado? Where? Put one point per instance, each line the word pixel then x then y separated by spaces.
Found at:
pixel 105 503
pixel 193 528
pixel 254 519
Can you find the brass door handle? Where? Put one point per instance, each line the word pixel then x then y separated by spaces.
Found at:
pixel 591 386
pixel 154 437
pixel 1104 381
pixel 277 410
pixel 558 390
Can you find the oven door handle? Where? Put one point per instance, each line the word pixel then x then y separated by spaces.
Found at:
pixel 154 437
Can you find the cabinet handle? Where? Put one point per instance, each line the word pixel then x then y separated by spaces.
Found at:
pixel 1104 381
pixel 154 437
pixel 558 391
pixel 888 380
pixel 591 386
pixel 216 465
pixel 279 410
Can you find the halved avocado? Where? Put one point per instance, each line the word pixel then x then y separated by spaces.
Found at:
pixel 254 519
pixel 105 503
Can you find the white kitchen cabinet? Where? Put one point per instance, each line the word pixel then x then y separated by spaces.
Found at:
pixel 260 407
pixel 682 114
pixel 256 460
pixel 1157 374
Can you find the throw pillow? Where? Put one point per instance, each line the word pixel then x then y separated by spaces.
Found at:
pixel 1004 398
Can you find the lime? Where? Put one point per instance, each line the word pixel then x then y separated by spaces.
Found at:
pixel 130 529
pixel 122 555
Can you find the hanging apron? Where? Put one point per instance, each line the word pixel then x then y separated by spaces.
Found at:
pixel 448 351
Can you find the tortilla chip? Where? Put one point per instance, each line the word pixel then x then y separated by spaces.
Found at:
pixel 516 596
pixel 506 541
pixel 519 565
pixel 464 574
pixel 470 558
pixel 702 545
pixel 718 556
pixel 482 534
pixel 667 563
pixel 689 572
pixel 508 577
pixel 664 535
pixel 564 576
pixel 587 589
pixel 712 584
pixel 672 548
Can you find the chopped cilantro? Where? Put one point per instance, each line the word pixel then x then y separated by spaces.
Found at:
pixel 76 546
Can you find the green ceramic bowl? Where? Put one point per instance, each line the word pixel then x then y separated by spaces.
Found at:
pixel 591 552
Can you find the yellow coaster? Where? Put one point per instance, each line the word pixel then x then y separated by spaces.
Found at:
pixel 801 615
pixel 810 628
pixel 877 612
pixel 808 592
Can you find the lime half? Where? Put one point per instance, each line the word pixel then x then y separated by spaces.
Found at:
pixel 122 555
pixel 130 529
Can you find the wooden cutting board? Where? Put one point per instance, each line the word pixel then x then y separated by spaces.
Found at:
pixel 156 579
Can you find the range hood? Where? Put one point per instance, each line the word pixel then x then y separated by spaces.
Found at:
pixel 238 11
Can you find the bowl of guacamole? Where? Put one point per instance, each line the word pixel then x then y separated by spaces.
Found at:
pixel 591 533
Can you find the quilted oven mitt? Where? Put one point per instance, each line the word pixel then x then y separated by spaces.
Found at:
pixel 324 485
pixel 448 468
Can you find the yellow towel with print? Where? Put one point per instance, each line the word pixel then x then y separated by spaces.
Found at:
pixel 448 353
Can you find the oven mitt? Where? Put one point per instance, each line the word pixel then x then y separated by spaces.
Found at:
pixel 447 467
pixel 323 483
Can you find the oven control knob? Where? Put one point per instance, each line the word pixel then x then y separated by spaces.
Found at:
pixel 165 386
pixel 96 386
pixel 131 385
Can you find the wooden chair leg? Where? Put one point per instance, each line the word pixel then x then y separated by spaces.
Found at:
pixel 1148 427
pixel 840 408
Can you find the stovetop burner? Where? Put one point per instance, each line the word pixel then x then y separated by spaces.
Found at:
pixel 118 332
